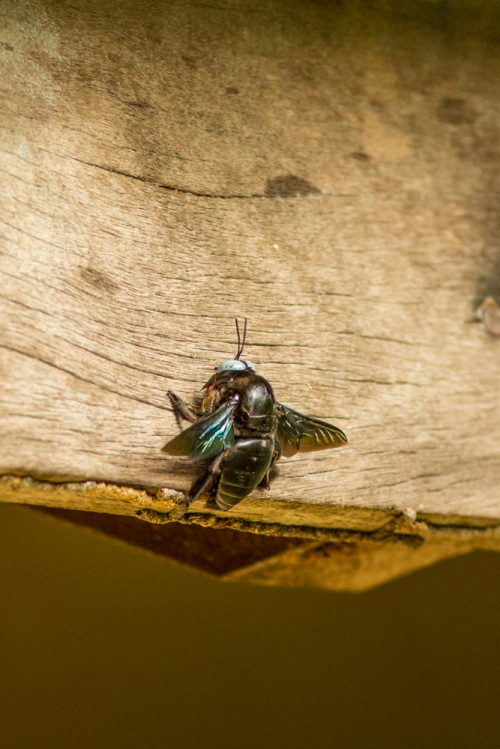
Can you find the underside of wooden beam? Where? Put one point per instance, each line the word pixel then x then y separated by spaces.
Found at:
pixel 336 558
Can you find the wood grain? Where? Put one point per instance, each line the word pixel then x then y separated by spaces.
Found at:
pixel 328 172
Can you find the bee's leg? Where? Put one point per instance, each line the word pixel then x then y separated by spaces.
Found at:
pixel 211 503
pixel 201 485
pixel 181 410
pixel 207 480
pixel 265 483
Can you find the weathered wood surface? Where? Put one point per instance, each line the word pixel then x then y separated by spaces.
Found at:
pixel 329 172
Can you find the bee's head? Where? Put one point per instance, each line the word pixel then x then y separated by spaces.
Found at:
pixel 237 364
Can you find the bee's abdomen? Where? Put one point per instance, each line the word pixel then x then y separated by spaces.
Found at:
pixel 244 468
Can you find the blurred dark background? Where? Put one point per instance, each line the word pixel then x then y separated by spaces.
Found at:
pixel 104 645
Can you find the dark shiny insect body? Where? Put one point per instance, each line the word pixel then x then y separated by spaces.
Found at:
pixel 242 431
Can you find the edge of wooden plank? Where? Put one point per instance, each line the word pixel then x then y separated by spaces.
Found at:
pixel 167 505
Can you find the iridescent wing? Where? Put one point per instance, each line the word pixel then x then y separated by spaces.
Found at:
pixel 207 437
pixel 299 433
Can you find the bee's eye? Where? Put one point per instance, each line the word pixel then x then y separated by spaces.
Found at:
pixel 250 365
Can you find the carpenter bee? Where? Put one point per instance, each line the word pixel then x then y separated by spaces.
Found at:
pixel 240 430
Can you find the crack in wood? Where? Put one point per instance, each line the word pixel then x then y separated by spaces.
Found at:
pixel 80 377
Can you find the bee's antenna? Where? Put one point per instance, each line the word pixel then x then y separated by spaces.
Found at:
pixel 241 341
pixel 238 334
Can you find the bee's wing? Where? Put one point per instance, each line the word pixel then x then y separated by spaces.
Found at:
pixel 299 433
pixel 207 437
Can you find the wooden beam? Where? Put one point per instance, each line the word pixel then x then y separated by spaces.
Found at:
pixel 329 173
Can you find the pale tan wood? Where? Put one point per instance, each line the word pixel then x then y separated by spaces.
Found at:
pixel 330 173
pixel 356 566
